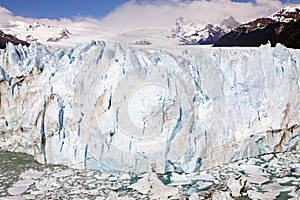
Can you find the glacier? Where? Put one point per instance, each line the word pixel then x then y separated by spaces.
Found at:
pixel 113 107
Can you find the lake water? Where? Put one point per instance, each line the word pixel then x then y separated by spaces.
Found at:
pixel 276 176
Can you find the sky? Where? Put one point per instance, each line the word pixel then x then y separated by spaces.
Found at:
pixel 61 8
pixel 123 15
pixel 55 9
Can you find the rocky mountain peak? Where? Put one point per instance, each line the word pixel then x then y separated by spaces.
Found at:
pixel 6 38
pixel 288 14
pixel 190 33
pixel 229 23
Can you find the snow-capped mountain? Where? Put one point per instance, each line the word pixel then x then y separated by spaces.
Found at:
pixel 280 27
pixel 286 15
pixel 37 32
pixel 228 24
pixel 6 38
pixel 190 33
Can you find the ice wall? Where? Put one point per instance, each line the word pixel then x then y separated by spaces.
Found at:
pixel 112 107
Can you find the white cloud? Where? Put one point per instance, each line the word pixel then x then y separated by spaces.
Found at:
pixel 4 11
pixel 134 14
pixel 273 3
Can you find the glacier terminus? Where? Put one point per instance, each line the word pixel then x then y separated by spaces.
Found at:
pixel 114 107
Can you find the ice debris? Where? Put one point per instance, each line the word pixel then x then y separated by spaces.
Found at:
pixel 151 186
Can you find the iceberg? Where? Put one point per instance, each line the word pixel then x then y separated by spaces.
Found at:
pixel 113 107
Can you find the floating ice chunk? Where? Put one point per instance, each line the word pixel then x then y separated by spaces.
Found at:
pixel 267 157
pixel 63 174
pixel 24 182
pixel 102 176
pixel 17 190
pixel 124 177
pixel 190 191
pixel 220 195
pixel 194 196
pixel 100 198
pixel 257 195
pixel 20 187
pixel 93 192
pixel 285 179
pixel 115 186
pixel 236 185
pixel 184 179
pixel 112 196
pixel 203 185
pixel 294 194
pixel 152 186
pixel 28 196
pixel 87 174
pixel 32 174
pixel 257 179
pixel 112 179
pixel 251 169
pixel 270 195
pixel 47 184
pixel 13 198
pixel 255 174
pixel 277 187
pixel 125 198
pixel 205 177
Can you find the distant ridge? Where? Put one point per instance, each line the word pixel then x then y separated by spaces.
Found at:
pixel 281 27
pixel 190 33
pixel 6 38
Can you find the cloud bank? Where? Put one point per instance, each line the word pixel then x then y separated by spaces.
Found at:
pixel 158 13
pixel 134 14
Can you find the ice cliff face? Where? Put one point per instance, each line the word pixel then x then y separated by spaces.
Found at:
pixel 112 107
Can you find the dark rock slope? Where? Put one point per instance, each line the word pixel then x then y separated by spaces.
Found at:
pixel 5 38
pixel 281 27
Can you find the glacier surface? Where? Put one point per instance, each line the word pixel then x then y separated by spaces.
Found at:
pixel 112 107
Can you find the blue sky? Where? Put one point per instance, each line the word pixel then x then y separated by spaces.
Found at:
pixel 70 8
pixel 61 8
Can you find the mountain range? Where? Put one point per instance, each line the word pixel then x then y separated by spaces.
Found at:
pixel 190 33
pixel 36 31
pixel 281 27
